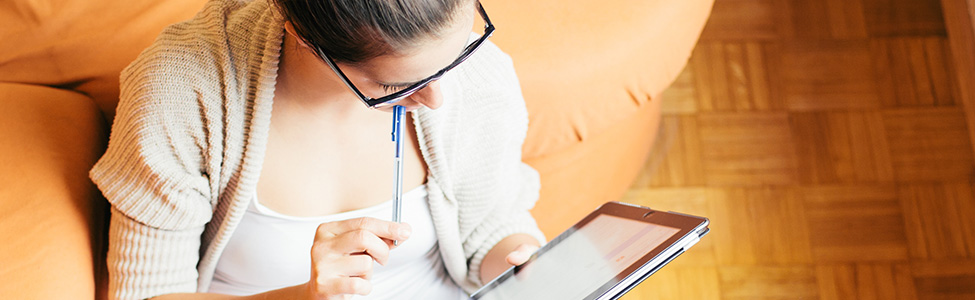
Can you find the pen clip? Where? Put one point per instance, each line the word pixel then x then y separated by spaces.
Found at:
pixel 395 125
pixel 398 112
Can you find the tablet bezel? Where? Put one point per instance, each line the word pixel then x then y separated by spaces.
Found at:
pixel 686 224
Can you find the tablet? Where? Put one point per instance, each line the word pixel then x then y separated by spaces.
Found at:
pixel 603 256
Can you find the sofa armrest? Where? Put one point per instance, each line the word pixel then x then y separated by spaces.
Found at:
pixel 52 218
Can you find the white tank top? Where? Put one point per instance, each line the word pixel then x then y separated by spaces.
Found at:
pixel 269 250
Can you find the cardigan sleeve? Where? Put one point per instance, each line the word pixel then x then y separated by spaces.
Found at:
pixel 506 219
pixel 154 176
pixel 145 261
pixel 500 129
pixel 153 170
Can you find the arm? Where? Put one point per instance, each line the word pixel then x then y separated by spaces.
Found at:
pixel 508 226
pixel 144 261
pixel 153 174
pixel 509 230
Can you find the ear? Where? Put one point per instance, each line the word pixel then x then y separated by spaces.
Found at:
pixel 290 29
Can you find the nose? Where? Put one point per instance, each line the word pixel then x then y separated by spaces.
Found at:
pixel 430 96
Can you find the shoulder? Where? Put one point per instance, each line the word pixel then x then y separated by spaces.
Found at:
pixel 169 83
pixel 186 107
pixel 488 76
pixel 183 55
pixel 483 110
pixel 490 67
pixel 204 62
pixel 204 47
pixel 486 88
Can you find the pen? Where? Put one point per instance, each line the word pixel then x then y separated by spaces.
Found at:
pixel 398 112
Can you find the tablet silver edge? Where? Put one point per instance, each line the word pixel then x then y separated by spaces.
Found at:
pixel 683 244
pixel 686 242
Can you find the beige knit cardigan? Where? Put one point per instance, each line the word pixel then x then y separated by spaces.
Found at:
pixel 189 137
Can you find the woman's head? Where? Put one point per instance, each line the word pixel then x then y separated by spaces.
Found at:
pixel 353 31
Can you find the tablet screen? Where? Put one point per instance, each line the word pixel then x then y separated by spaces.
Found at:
pixel 583 261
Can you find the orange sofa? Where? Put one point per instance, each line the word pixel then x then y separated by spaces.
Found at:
pixel 590 71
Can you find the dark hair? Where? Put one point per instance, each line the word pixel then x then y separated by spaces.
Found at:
pixel 353 31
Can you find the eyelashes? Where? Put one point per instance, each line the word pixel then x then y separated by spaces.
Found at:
pixel 394 88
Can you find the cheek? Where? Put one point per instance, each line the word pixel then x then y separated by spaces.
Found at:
pixel 372 90
pixel 363 84
pixel 368 88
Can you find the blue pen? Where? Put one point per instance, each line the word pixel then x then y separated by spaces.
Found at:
pixel 398 112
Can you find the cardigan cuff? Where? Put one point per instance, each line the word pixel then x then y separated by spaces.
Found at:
pixel 500 229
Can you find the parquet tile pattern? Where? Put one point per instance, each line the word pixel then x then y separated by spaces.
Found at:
pixel 826 142
pixel 911 72
pixel 841 147
pixel 827 75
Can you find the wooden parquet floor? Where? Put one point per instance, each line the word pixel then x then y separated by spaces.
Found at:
pixel 826 142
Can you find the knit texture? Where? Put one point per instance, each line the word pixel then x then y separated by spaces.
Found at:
pixel 189 138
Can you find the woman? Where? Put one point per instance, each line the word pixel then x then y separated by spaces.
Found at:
pixel 212 192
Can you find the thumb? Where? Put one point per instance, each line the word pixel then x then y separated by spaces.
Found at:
pixel 521 254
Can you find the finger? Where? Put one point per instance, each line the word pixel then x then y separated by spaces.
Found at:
pixel 331 249
pixel 521 254
pixel 383 229
pixel 362 241
pixel 517 258
pixel 367 275
pixel 359 265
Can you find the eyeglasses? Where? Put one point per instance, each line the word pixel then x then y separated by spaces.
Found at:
pixel 391 99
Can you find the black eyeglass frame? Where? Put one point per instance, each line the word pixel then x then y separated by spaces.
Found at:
pixel 391 99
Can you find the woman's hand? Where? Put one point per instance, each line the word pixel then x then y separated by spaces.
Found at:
pixel 343 252
pixel 513 250
pixel 521 254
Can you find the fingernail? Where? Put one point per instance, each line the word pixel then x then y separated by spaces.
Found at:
pixel 516 258
pixel 404 232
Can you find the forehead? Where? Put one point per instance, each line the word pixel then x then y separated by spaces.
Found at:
pixel 424 60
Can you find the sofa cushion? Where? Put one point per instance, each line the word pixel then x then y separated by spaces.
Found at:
pixel 579 178
pixel 81 45
pixel 52 225
pixel 586 66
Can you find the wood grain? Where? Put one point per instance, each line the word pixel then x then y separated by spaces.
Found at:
pixel 929 144
pixel 914 72
pixel 830 144
pixel 827 75
pixel 841 147
pixel 747 149
pixel 960 23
